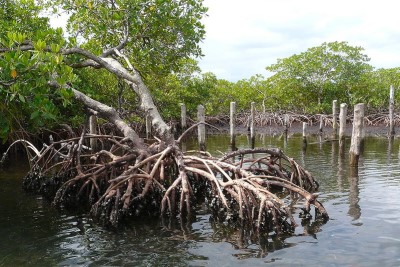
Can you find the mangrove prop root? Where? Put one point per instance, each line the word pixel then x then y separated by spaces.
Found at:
pixel 121 181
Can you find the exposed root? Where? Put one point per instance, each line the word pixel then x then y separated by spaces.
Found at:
pixel 240 187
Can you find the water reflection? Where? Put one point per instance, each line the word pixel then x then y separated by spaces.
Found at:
pixel 390 149
pixel 341 172
pixel 354 207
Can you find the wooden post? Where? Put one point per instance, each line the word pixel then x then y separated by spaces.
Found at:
pixel 342 126
pixel 201 128
pixel 304 135
pixel 93 130
pixel 252 118
pixel 357 135
pixel 286 123
pixel 183 117
pixel 321 123
pixel 232 122
pixel 391 112
pixel 286 130
pixel 334 116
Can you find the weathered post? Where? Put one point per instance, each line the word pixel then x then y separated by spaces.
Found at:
pixel 357 135
pixel 321 124
pixel 183 117
pixel 232 123
pixel 93 130
pixel 334 116
pixel 304 135
pixel 391 112
pixel 286 130
pixel 342 126
pixel 286 123
pixel 201 128
pixel 252 118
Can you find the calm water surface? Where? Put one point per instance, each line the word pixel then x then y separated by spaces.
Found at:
pixel 363 229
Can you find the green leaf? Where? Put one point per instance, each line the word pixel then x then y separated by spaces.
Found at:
pixel 12 97
pixel 34 114
pixel 21 98
pixel 39 45
pixel 20 37
pixel 55 48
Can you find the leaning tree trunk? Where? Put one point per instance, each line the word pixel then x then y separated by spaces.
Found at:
pixel 135 82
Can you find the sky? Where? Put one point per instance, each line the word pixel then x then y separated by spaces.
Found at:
pixel 245 36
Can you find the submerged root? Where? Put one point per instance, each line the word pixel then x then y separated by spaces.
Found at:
pixel 241 187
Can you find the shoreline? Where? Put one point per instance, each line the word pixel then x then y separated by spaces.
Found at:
pixel 297 128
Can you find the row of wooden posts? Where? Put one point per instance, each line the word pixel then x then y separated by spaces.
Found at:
pixel 356 139
pixel 339 126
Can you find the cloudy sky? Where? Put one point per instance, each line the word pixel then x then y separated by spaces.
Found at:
pixel 245 36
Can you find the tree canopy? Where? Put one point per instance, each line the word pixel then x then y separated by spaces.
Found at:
pixel 326 71
pixel 150 38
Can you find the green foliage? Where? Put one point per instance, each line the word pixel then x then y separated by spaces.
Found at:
pixel 322 73
pixel 374 87
pixel 242 92
pixel 309 82
pixel 27 100
pixel 158 35
pixel 188 87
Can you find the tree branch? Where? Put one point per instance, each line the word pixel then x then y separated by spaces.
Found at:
pixel 136 83
pixel 107 113
pixel 133 79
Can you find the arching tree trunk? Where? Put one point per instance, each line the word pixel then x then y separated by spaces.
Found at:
pixel 135 82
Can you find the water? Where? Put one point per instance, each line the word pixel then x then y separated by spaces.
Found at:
pixel 363 229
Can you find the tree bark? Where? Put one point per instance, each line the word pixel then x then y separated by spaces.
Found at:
pixel 135 82
pixel 108 113
pixel 146 101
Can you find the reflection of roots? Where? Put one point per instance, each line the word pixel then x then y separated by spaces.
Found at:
pixel 162 180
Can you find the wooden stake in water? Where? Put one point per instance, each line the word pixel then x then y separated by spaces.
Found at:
pixel 183 117
pixel 357 135
pixel 391 111
pixel 286 130
pixel 252 118
pixel 304 135
pixel 342 125
pixel 93 130
pixel 334 115
pixel 286 123
pixel 321 123
pixel 232 122
pixel 201 128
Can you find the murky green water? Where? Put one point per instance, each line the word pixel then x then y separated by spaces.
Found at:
pixel 363 230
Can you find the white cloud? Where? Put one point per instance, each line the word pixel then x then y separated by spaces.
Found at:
pixel 243 37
